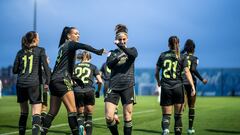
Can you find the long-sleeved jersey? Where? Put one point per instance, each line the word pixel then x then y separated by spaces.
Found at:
pixel 121 63
pixel 171 69
pixel 66 58
pixel 192 62
pixel 86 72
pixel 106 72
pixel 28 65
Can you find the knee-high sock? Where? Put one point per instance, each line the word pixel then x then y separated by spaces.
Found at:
pixel 178 124
pixel 112 126
pixel 22 123
pixel 127 127
pixel 73 124
pixel 46 123
pixel 36 124
pixel 88 123
pixel 166 121
pixel 191 115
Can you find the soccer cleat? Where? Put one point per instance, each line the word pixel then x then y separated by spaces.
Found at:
pixel 81 130
pixel 165 132
pixel 190 131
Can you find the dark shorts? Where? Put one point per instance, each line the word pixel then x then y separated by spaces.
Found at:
pixel 59 87
pixel 33 94
pixel 172 96
pixel 127 96
pixel 84 98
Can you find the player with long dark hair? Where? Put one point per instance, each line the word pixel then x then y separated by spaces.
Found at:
pixel 61 85
pixel 28 65
pixel 192 62
pixel 172 93
pixel 85 94
pixel 121 62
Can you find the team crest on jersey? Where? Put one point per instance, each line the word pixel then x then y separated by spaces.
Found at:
pixel 122 60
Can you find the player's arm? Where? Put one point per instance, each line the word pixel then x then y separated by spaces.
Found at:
pixel 99 82
pixel 113 59
pixel 46 68
pixel 189 76
pixel 195 72
pixel 130 52
pixel 77 45
pixel 157 70
pixel 16 65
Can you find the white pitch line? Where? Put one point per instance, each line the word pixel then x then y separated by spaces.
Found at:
pixel 65 124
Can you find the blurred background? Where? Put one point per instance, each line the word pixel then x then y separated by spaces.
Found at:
pixel 213 25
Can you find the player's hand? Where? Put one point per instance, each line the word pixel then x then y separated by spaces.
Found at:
pixel 205 81
pixel 102 51
pixel 97 94
pixel 193 91
pixel 119 44
pixel 46 87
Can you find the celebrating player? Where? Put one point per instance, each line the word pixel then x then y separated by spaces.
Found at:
pixel 192 62
pixel 121 63
pixel 172 93
pixel 61 80
pixel 28 64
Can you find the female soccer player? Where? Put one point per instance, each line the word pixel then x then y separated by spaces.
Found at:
pixel 85 94
pixel 172 92
pixel 61 79
pixel 192 62
pixel 121 63
pixel 28 64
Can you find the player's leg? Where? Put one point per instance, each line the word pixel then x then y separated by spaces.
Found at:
pixel 36 118
pixel 79 98
pixel 35 97
pixel 88 119
pixel 55 104
pixel 109 116
pixel 22 99
pixel 111 101
pixel 69 102
pixel 166 104
pixel 127 98
pixel 166 117
pixel 191 112
pixel 178 118
pixel 178 100
pixel 23 118
pixel 88 111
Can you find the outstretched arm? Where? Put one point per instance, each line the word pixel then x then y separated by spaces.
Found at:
pixel 86 47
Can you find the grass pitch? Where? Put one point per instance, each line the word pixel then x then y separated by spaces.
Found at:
pixel 214 116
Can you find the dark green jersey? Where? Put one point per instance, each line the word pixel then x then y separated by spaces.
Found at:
pixel 66 58
pixel 171 70
pixel 106 72
pixel 192 62
pixel 28 65
pixel 121 63
pixel 85 72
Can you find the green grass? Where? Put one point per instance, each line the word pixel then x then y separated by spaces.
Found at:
pixel 214 116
